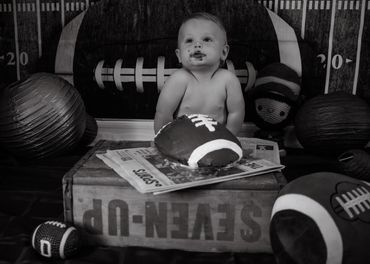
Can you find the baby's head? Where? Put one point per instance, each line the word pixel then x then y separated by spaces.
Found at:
pixel 202 41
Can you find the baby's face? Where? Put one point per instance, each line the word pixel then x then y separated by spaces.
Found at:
pixel 201 44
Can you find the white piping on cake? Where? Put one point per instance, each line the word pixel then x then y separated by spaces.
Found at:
pixel 210 146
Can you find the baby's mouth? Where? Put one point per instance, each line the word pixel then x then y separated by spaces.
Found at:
pixel 197 55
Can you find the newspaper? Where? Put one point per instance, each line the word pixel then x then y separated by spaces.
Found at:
pixel 260 148
pixel 149 172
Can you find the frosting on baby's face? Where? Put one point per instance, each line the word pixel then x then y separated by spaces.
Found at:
pixel 201 44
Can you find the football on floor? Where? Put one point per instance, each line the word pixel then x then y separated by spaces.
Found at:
pixel 322 217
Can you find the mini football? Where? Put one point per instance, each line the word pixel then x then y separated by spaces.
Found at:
pixel 198 141
pixel 54 239
pixel 322 217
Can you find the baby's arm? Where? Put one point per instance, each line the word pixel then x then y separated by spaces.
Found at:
pixel 235 104
pixel 169 98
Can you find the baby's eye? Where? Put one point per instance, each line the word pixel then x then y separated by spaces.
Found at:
pixel 189 40
pixel 207 39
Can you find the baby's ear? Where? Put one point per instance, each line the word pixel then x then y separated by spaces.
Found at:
pixel 225 52
pixel 177 51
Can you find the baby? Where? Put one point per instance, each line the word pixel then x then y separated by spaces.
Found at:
pixel 201 86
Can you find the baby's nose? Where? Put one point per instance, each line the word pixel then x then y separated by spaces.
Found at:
pixel 198 44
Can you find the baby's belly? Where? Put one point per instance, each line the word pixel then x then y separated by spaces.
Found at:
pixel 218 114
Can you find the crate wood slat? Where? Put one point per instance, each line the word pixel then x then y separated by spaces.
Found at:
pixel 231 216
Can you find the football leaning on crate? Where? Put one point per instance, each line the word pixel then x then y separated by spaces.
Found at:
pixel 322 217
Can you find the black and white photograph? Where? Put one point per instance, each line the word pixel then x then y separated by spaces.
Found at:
pixel 185 131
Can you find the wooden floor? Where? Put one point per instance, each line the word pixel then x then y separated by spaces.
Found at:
pixel 31 193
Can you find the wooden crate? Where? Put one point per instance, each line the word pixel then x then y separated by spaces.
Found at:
pixel 230 216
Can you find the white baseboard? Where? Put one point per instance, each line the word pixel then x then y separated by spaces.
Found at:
pixel 125 129
pixel 142 130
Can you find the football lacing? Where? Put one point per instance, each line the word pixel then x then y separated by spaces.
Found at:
pixel 203 120
pixel 357 200
pixel 56 223
pixel 120 75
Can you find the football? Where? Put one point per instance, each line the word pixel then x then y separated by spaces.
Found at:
pixel 54 239
pixel 322 217
pixel 198 141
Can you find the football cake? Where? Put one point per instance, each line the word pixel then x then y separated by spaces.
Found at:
pixel 198 141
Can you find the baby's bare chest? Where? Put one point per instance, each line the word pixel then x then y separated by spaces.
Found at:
pixel 206 95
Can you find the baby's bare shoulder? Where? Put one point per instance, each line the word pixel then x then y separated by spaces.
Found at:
pixel 176 83
pixel 226 76
pixel 181 74
pixel 179 78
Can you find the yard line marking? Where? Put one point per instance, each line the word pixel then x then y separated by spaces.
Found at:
pixel 359 42
pixel 16 40
pixel 38 17
pixel 330 49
